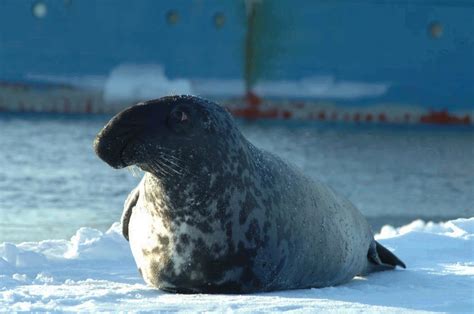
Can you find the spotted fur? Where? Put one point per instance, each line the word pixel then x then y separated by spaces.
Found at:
pixel 233 218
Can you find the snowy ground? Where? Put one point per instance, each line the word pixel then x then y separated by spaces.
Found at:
pixel 94 271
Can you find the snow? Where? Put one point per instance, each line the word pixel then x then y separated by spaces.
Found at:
pixel 94 271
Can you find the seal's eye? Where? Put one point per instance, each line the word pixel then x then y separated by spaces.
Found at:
pixel 179 120
pixel 183 116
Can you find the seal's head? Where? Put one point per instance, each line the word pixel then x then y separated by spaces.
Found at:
pixel 168 136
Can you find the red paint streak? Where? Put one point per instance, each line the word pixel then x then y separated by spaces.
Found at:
pixel 287 114
pixel 382 117
pixel 443 117
pixel 252 99
pixel 253 111
pixel 368 117
pixel 357 117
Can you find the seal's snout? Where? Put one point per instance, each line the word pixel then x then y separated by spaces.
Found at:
pixel 109 149
pixel 111 142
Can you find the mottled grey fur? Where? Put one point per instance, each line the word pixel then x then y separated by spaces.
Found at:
pixel 213 213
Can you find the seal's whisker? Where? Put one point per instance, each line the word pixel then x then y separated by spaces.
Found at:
pixel 158 168
pixel 172 161
pixel 155 168
pixel 172 156
pixel 168 159
pixel 175 164
pixel 164 165
pixel 168 166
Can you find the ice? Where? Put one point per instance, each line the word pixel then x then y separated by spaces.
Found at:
pixel 94 271
pixel 92 244
pixel 132 82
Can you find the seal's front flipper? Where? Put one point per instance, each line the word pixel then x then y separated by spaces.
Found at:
pixel 127 210
pixel 380 258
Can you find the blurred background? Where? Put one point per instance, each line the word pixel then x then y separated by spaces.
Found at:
pixel 373 97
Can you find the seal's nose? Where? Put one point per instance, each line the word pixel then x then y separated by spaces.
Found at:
pixel 116 142
pixel 112 140
pixel 109 147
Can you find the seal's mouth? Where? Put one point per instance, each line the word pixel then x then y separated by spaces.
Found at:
pixel 112 148
pixel 122 155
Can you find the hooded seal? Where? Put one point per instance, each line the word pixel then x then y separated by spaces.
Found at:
pixel 215 214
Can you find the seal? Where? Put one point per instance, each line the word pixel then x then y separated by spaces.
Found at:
pixel 215 214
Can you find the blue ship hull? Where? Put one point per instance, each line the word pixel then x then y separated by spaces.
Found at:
pixel 373 61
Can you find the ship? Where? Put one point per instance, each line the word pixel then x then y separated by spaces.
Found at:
pixel 348 61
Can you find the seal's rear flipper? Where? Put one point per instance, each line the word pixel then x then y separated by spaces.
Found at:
pixel 127 210
pixel 381 258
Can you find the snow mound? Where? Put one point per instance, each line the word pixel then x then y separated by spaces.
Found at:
pixel 461 227
pixel 92 244
pixel 94 271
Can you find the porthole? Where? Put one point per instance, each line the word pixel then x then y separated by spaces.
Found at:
pixel 172 17
pixel 435 30
pixel 219 20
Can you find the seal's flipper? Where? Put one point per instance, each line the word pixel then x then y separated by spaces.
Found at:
pixel 388 257
pixel 381 258
pixel 127 210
